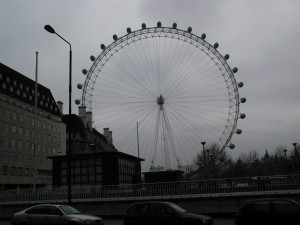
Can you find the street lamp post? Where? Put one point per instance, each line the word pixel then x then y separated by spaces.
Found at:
pixel 204 159
pixel 208 163
pixel 52 31
pixel 285 161
pixel 295 148
pixel 296 169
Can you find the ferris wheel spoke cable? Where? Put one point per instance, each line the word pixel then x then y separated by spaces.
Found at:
pixel 134 80
pixel 142 68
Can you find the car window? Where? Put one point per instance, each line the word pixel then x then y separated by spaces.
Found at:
pixel 37 210
pixel 138 209
pixel 52 210
pixel 284 206
pixel 68 210
pixel 159 209
pixel 177 208
pixel 261 206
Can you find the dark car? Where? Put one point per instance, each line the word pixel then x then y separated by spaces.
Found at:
pixel 162 213
pixel 47 214
pixel 270 211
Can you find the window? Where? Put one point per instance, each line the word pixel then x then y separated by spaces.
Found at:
pixel 51 210
pixel 13 143
pixel 13 171
pixel 7 127
pixel 20 144
pixel 261 206
pixel 5 141
pixel 20 171
pixel 6 113
pixel 37 210
pixel 284 206
pixel 14 115
pixel 26 119
pixel 27 132
pixel 5 170
pixel 26 172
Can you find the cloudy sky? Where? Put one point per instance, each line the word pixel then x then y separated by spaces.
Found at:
pixel 262 38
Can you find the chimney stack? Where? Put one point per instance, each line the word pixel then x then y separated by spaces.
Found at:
pixel 89 120
pixel 60 106
pixel 107 134
pixel 82 114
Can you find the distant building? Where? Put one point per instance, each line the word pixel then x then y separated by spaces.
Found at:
pixel 23 132
pixel 94 159
pixel 163 176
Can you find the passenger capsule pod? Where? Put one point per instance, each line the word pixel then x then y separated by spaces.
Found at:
pixel 241 84
pixel 79 86
pixel 144 26
pixel 243 100
pixel 115 37
pixel 158 24
pixel 234 70
pixel 84 71
pixel 128 30
pixel 226 57
pixel 216 45
pixel 102 46
pixel 243 116
pixel 92 58
pixel 238 131
pixel 174 26
pixel 189 30
pixel 77 102
pixel 231 146
pixel 203 36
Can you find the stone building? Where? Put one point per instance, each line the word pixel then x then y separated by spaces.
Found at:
pixel 29 132
pixel 94 160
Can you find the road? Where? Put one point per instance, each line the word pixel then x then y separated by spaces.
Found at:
pixel 218 221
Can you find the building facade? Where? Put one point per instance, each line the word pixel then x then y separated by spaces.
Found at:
pixel 94 160
pixel 30 132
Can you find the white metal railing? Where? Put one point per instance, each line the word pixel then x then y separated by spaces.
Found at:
pixel 184 189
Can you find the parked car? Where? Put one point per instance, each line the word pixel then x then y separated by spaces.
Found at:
pixel 162 213
pixel 53 214
pixel 269 211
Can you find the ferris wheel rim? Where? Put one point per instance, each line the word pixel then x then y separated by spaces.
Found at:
pixel 182 35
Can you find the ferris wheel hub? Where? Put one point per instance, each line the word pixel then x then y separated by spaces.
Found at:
pixel 160 100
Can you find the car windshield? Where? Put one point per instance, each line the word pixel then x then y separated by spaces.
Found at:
pixel 177 208
pixel 68 210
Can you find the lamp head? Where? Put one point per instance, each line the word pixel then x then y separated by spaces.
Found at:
pixel 49 29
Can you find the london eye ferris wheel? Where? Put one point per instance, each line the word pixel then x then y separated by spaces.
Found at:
pixel 171 86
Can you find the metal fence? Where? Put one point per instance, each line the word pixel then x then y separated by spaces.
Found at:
pixel 173 190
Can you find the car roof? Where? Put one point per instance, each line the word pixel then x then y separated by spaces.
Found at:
pixel 152 202
pixel 270 199
pixel 56 205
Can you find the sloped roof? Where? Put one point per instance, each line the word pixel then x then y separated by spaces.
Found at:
pixel 20 87
pixel 77 126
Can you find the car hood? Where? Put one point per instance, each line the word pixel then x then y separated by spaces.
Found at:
pixel 196 216
pixel 85 217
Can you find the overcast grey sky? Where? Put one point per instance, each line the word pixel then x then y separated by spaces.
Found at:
pixel 261 36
